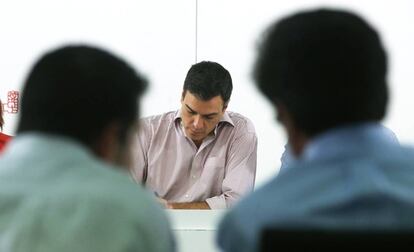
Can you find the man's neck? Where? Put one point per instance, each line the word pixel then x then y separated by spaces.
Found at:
pixel 297 141
pixel 198 143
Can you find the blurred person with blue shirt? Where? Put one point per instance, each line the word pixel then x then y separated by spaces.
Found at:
pixel 288 159
pixel 64 184
pixel 325 72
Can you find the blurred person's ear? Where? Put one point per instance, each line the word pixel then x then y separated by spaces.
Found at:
pixel 111 148
pixel 297 138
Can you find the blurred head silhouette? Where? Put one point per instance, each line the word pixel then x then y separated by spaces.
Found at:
pixel 322 69
pixel 83 93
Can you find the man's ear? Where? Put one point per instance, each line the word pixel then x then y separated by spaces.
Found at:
pixel 282 114
pixel 225 106
pixel 107 144
pixel 183 94
pixel 297 139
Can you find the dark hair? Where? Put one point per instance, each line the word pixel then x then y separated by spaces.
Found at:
pixel 76 91
pixel 327 67
pixel 208 79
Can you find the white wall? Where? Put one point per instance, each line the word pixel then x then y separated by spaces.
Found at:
pixel 158 37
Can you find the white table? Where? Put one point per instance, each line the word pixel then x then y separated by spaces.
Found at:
pixel 195 230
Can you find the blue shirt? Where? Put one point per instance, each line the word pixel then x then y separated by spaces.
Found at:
pixel 288 158
pixel 55 195
pixel 352 177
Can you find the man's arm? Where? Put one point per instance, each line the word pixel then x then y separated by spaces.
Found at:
pixel 139 162
pixel 189 205
pixel 239 179
pixel 240 171
pixel 183 205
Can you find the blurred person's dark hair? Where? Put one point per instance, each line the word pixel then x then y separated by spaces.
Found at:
pixel 208 79
pixel 327 67
pixel 77 91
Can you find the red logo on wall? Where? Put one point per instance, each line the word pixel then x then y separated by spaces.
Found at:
pixel 12 105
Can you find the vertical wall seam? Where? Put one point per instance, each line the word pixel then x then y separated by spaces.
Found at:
pixel 196 31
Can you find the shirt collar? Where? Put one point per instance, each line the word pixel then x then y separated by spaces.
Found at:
pixel 177 115
pixel 224 119
pixel 49 143
pixel 348 139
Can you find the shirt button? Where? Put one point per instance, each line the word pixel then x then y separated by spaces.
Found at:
pixel 194 176
pixel 186 195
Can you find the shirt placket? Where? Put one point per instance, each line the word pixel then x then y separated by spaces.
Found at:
pixel 196 168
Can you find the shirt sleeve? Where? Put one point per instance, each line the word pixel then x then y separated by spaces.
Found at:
pixel 389 134
pixel 141 142
pixel 240 171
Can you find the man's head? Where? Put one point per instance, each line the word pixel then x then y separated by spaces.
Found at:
pixel 206 93
pixel 324 68
pixel 84 93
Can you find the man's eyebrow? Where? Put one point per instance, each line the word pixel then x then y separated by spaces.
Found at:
pixel 193 111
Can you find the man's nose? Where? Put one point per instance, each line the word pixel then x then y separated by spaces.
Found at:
pixel 198 122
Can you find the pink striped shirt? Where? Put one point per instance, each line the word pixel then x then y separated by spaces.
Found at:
pixel 219 172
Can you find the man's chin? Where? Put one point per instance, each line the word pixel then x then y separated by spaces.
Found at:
pixel 197 137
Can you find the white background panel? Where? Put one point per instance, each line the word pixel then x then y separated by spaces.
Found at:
pixel 158 37
pixel 229 32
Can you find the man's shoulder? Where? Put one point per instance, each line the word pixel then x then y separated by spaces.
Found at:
pixel 89 185
pixel 241 122
pixel 381 157
pixel 108 187
pixel 156 122
pixel 91 205
pixel 406 152
pixel 344 179
pixel 155 119
pixel 361 169
pixel 122 187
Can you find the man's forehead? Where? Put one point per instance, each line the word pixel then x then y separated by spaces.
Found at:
pixel 192 96
pixel 202 110
pixel 212 106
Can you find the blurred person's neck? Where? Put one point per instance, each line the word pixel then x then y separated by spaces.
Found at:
pixel 111 149
pixel 297 139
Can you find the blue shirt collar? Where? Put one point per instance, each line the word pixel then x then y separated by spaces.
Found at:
pixel 348 139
